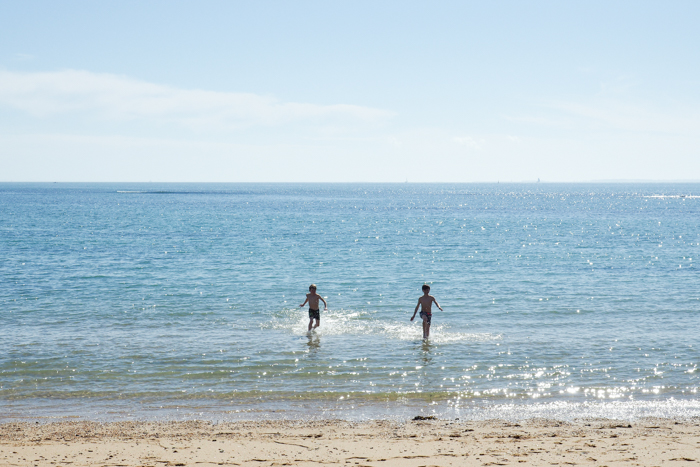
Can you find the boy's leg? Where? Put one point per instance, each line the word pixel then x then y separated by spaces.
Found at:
pixel 318 322
pixel 311 322
pixel 425 327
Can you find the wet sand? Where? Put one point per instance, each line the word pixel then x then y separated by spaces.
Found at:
pixel 650 442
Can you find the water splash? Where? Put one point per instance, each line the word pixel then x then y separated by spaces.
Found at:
pixel 367 323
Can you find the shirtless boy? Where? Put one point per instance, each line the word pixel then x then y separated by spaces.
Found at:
pixel 426 304
pixel 314 313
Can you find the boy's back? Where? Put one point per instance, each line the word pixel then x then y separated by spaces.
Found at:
pixel 313 300
pixel 426 303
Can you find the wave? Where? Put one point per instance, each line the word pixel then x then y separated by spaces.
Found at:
pixel 570 411
pixel 166 192
pixel 355 407
pixel 170 192
pixel 672 196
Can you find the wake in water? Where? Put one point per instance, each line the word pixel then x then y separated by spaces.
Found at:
pixel 365 323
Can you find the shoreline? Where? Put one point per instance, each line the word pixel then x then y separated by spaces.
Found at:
pixel 650 441
pixel 349 409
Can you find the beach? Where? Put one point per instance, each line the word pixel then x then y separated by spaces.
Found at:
pixel 646 442
pixel 408 234
pixel 132 310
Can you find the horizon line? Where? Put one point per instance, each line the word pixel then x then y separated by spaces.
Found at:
pixel 535 182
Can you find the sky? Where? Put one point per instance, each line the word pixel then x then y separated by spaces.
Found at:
pixel 349 91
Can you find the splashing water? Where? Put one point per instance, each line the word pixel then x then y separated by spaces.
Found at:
pixel 367 323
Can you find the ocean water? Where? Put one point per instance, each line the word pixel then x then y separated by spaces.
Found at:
pixel 182 300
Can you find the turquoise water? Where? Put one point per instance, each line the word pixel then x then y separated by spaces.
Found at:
pixel 145 300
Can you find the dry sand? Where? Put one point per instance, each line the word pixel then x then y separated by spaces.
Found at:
pixel 377 443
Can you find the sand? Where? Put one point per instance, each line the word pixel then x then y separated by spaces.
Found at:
pixel 650 442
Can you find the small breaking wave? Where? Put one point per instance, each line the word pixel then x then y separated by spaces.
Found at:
pixel 672 196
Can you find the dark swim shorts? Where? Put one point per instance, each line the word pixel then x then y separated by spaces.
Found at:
pixel 314 314
pixel 427 316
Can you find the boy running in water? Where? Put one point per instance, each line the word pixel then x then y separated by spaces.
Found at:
pixel 426 304
pixel 314 313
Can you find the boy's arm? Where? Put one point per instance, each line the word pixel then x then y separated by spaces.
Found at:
pixel 438 305
pixel 325 305
pixel 307 299
pixel 416 310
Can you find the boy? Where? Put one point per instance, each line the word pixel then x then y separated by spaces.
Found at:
pixel 426 304
pixel 314 314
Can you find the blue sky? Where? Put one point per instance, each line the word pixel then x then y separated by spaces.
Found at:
pixel 349 91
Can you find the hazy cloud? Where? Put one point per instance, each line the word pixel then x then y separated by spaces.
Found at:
pixel 110 96
pixel 613 114
pixel 631 117
pixel 468 141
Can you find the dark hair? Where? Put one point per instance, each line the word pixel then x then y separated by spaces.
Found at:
pixel 312 287
pixel 425 287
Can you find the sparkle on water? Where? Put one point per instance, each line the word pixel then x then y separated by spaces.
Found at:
pixel 173 299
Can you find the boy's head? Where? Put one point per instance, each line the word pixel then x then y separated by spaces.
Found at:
pixel 426 288
pixel 312 288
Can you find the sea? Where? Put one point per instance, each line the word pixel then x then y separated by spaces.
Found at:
pixel 163 301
